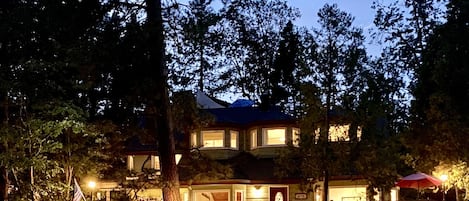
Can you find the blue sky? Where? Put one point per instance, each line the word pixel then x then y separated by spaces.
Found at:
pixel 360 9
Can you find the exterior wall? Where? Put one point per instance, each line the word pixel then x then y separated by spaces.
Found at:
pixel 347 193
pixel 156 194
pixel 258 192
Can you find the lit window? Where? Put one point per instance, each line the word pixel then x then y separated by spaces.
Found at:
pixel 359 133
pixel 234 139
pixel 339 133
pixel 130 162
pixel 296 137
pixel 155 161
pixel 273 136
pixel 213 138
pixel 194 139
pixel 253 134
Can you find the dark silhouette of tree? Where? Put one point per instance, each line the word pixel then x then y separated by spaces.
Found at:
pixel 158 111
pixel 439 111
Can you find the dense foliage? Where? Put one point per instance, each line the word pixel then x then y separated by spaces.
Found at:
pixel 78 78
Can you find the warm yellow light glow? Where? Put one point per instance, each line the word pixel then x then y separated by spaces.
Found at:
pixel 257 191
pixel 394 194
pixel 443 177
pixel 92 184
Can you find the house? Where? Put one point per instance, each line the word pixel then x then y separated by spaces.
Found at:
pixel 247 138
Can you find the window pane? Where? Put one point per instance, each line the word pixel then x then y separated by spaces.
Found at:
pixel 156 162
pixel 296 137
pixel 274 136
pixel 359 133
pixel 130 162
pixel 253 138
pixel 194 139
pixel 213 138
pixel 339 133
pixel 234 139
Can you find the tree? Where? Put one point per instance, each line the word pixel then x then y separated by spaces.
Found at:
pixel 377 155
pixel 331 97
pixel 39 97
pixel 340 58
pixel 252 34
pixel 158 109
pixel 439 112
pixel 288 67
pixel 196 49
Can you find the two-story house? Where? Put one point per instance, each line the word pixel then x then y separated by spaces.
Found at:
pixel 248 138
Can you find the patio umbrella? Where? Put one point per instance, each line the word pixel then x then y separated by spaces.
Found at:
pixel 418 181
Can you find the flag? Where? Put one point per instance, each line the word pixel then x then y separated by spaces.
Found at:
pixel 77 194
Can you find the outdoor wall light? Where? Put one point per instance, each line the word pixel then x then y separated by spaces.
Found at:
pixel 92 184
pixel 257 191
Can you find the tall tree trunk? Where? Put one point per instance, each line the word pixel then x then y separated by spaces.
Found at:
pixel 4 182
pixel 159 107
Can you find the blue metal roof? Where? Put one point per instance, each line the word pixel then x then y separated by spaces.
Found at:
pixel 249 115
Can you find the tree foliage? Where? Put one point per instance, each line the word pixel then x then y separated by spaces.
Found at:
pixel 439 112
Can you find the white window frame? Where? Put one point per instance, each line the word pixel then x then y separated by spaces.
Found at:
pixel 194 142
pixel 253 137
pixel 265 132
pixel 213 131
pixel 234 145
pixel 130 162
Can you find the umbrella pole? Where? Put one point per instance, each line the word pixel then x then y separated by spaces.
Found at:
pixel 418 194
pixel 418 191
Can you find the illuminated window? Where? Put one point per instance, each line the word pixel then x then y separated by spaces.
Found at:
pixel 359 133
pixel 130 162
pixel 296 137
pixel 273 136
pixel 194 139
pixel 339 133
pixel 253 134
pixel 213 138
pixel 234 139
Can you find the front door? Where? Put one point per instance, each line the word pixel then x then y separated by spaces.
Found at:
pixel 278 194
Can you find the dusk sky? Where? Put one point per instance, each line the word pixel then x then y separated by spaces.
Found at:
pixel 360 9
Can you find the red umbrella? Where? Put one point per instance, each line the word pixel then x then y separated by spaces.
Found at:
pixel 418 181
